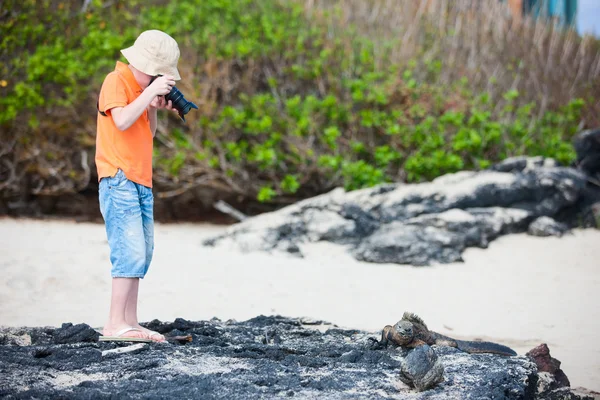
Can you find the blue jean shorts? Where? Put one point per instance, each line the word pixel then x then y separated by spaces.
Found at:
pixel 128 211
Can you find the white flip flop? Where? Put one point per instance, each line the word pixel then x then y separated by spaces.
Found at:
pixel 152 333
pixel 118 337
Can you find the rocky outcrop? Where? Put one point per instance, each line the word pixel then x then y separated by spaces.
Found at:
pixel 265 357
pixel 420 224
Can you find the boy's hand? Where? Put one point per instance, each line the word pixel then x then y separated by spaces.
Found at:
pixel 160 102
pixel 162 85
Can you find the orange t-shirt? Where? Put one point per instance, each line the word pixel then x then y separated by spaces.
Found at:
pixel 129 150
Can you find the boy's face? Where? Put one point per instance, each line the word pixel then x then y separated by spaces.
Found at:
pixel 142 79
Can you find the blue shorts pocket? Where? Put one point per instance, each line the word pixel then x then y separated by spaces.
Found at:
pixel 117 181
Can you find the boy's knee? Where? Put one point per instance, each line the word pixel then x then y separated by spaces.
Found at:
pixel 132 266
pixel 128 255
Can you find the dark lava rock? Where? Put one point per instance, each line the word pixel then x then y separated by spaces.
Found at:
pixel 546 226
pixel 586 211
pixel 407 244
pixel 568 394
pixel 587 147
pixel 70 333
pixel 15 337
pixel 422 369
pixel 428 222
pixel 265 357
pixel 521 163
pixel 546 363
pixel 552 383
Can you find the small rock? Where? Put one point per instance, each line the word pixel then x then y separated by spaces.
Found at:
pixel 546 226
pixel 70 333
pixel 352 356
pixel 15 339
pixel 421 369
pixel 546 363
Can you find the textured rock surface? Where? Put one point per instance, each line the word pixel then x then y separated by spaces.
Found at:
pixel 548 364
pixel 546 226
pixel 266 357
pixel 421 369
pixel 70 333
pixel 420 223
pixel 587 147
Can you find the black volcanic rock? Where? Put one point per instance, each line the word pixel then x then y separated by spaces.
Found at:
pixel 265 357
pixel 70 333
pixel 424 223
pixel 546 226
pixel 422 369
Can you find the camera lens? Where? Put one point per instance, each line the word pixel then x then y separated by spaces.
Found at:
pixel 179 102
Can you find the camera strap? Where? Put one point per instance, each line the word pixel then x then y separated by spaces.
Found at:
pixel 98 107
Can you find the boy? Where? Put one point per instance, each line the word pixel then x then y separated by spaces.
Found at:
pixel 126 126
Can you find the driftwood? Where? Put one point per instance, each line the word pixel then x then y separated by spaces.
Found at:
pixel 229 210
pixel 179 339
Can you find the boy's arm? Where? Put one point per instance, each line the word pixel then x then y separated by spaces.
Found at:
pixel 124 117
pixel 158 102
pixel 152 117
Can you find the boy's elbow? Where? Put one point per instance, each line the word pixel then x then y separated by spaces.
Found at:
pixel 121 126
pixel 118 119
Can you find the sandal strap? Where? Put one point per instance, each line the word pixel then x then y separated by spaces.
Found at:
pixel 125 330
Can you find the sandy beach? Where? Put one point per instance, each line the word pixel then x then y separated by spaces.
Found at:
pixel 521 291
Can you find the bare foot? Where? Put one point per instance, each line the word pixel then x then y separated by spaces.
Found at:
pixel 124 331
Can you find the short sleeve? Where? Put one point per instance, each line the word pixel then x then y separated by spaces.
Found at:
pixel 113 93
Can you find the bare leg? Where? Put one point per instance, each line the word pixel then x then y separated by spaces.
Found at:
pixel 122 289
pixel 131 305
pixel 119 199
pixel 147 207
pixel 131 313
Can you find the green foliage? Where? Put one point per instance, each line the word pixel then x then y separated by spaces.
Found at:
pixel 290 184
pixel 265 194
pixel 359 174
pixel 288 108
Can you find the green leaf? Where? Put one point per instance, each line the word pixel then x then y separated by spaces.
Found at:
pixel 290 184
pixel 265 194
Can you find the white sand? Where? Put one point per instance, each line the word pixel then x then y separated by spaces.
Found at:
pixel 522 291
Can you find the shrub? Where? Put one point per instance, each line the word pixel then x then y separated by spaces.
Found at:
pixel 296 97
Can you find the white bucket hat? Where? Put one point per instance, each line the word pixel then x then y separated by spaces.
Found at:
pixel 154 52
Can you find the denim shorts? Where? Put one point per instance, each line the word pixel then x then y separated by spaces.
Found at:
pixel 128 211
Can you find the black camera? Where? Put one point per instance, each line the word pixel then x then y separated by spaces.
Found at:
pixel 179 102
